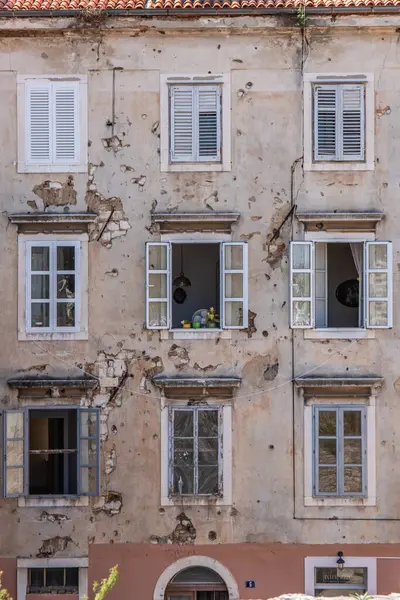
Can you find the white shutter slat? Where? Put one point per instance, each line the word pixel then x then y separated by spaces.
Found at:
pixel 65 106
pixel 352 122
pixel 325 122
pixel 209 123
pixel 38 124
pixel 182 130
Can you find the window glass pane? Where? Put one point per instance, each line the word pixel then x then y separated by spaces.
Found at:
pixel 15 453
pixel 334 592
pixel 65 258
pixel 208 423
pixel 327 422
pixel 15 425
pixel 72 577
pixel 158 286
pixel 353 480
pixel 183 480
pixel 183 423
pixel 208 480
pixel 378 256
pixel 88 454
pixel 36 578
pixel 208 451
pixel 234 285
pixel 377 285
pixel 233 258
pixel 40 287
pixel 40 314
pixel 327 452
pixel 183 452
pixel 197 575
pixel 301 256
pixel 157 258
pixel 15 481
pixel 301 285
pixel 233 314
pixel 378 314
pixel 352 422
pixel 65 314
pixel 301 314
pixel 347 575
pixel 65 286
pixel 158 314
pixel 327 480
pixel 88 420
pixel 54 577
pixel 88 480
pixel 352 452
pixel 40 258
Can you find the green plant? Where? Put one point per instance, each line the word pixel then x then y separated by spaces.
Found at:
pixel 102 588
pixel 364 596
pixel 4 595
pixel 184 322
pixel 212 316
pixel 301 15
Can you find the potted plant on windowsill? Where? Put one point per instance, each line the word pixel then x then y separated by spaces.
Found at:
pixel 212 319
pixel 186 324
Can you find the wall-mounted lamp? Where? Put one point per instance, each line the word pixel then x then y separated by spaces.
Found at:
pixel 340 561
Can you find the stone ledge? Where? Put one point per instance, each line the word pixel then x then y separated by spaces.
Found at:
pixel 316 384
pixel 52 382
pixel 346 220
pixel 195 221
pixel 197 387
pixel 44 221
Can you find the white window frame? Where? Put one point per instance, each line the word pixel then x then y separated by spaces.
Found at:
pixel 80 331
pixel 23 564
pixel 311 79
pixel 222 80
pixel 226 460
pixel 23 164
pixel 369 499
pixel 222 243
pixel 366 332
pixel 312 562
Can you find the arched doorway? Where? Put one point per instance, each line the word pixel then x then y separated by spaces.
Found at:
pixel 215 577
pixel 196 583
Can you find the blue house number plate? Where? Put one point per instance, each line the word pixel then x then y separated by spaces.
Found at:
pixel 250 584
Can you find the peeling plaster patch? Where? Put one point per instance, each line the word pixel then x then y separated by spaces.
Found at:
pixel 140 181
pixel 110 503
pixel 53 545
pixel 381 111
pixel 114 143
pixel 155 366
pixel 110 461
pixel 111 222
pixel 206 369
pixel 125 168
pixel 249 236
pixel 259 369
pixel 183 534
pixel 179 356
pixel 276 251
pixel 251 328
pixel 54 193
pixel 53 517
pixel 38 368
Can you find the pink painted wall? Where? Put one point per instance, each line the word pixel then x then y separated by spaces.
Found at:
pixel 9 578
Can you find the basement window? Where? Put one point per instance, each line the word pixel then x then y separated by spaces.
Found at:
pixel 196 286
pixel 51 452
pixel 53 580
pixel 341 285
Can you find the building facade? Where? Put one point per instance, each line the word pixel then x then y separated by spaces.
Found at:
pixel 199 245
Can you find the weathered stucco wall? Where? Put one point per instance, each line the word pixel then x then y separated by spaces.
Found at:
pixel 266 76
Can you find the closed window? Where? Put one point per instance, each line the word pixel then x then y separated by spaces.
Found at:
pixel 52 122
pixel 341 285
pixel 53 580
pixel 196 285
pixel 51 452
pixel 340 450
pixel 325 577
pixel 195 456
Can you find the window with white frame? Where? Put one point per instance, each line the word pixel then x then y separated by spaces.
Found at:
pixel 195 131
pixel 53 580
pixel 340 450
pixel 196 285
pixel 52 124
pixel 324 576
pixel 195 451
pixel 51 452
pixel 53 286
pixel 341 284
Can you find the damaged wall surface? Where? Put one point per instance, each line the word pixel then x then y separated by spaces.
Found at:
pixel 265 58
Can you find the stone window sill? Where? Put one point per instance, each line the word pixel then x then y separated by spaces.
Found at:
pixel 195 334
pixel 369 501
pixel 195 501
pixel 23 336
pixel 52 502
pixel 339 333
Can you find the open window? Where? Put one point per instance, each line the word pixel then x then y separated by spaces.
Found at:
pixel 341 285
pixel 196 285
pixel 51 452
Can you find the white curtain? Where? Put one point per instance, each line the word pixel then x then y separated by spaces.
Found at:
pixel 357 252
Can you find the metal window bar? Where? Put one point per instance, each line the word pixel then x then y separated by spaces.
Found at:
pixel 90 439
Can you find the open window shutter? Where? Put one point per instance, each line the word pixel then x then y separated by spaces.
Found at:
pixel 234 285
pixel 352 107
pixel 38 129
pixel 158 285
pixel 302 285
pixel 65 119
pixel 88 452
pixel 325 122
pixel 182 127
pixel 14 453
pixel 321 305
pixel 209 127
pixel 378 284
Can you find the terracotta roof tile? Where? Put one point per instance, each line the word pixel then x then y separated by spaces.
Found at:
pixel 21 5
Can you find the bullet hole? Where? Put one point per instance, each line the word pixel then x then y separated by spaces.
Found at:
pixel 161 511
pixel 212 536
pixel 218 512
pixel 114 429
pixel 241 93
pixel 265 333
pixel 115 532
pixel 233 512
pixel 219 46
pixel 44 55
pixel 258 502
pixel 267 277
pixel 271 447
pixel 249 85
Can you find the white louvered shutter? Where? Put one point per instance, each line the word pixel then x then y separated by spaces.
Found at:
pixel 209 128
pixel 352 105
pixel 182 129
pixel 65 123
pixel 38 130
pixel 325 122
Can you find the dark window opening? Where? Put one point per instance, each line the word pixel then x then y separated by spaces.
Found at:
pixel 53 452
pixel 53 580
pixel 197 583
pixel 198 265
